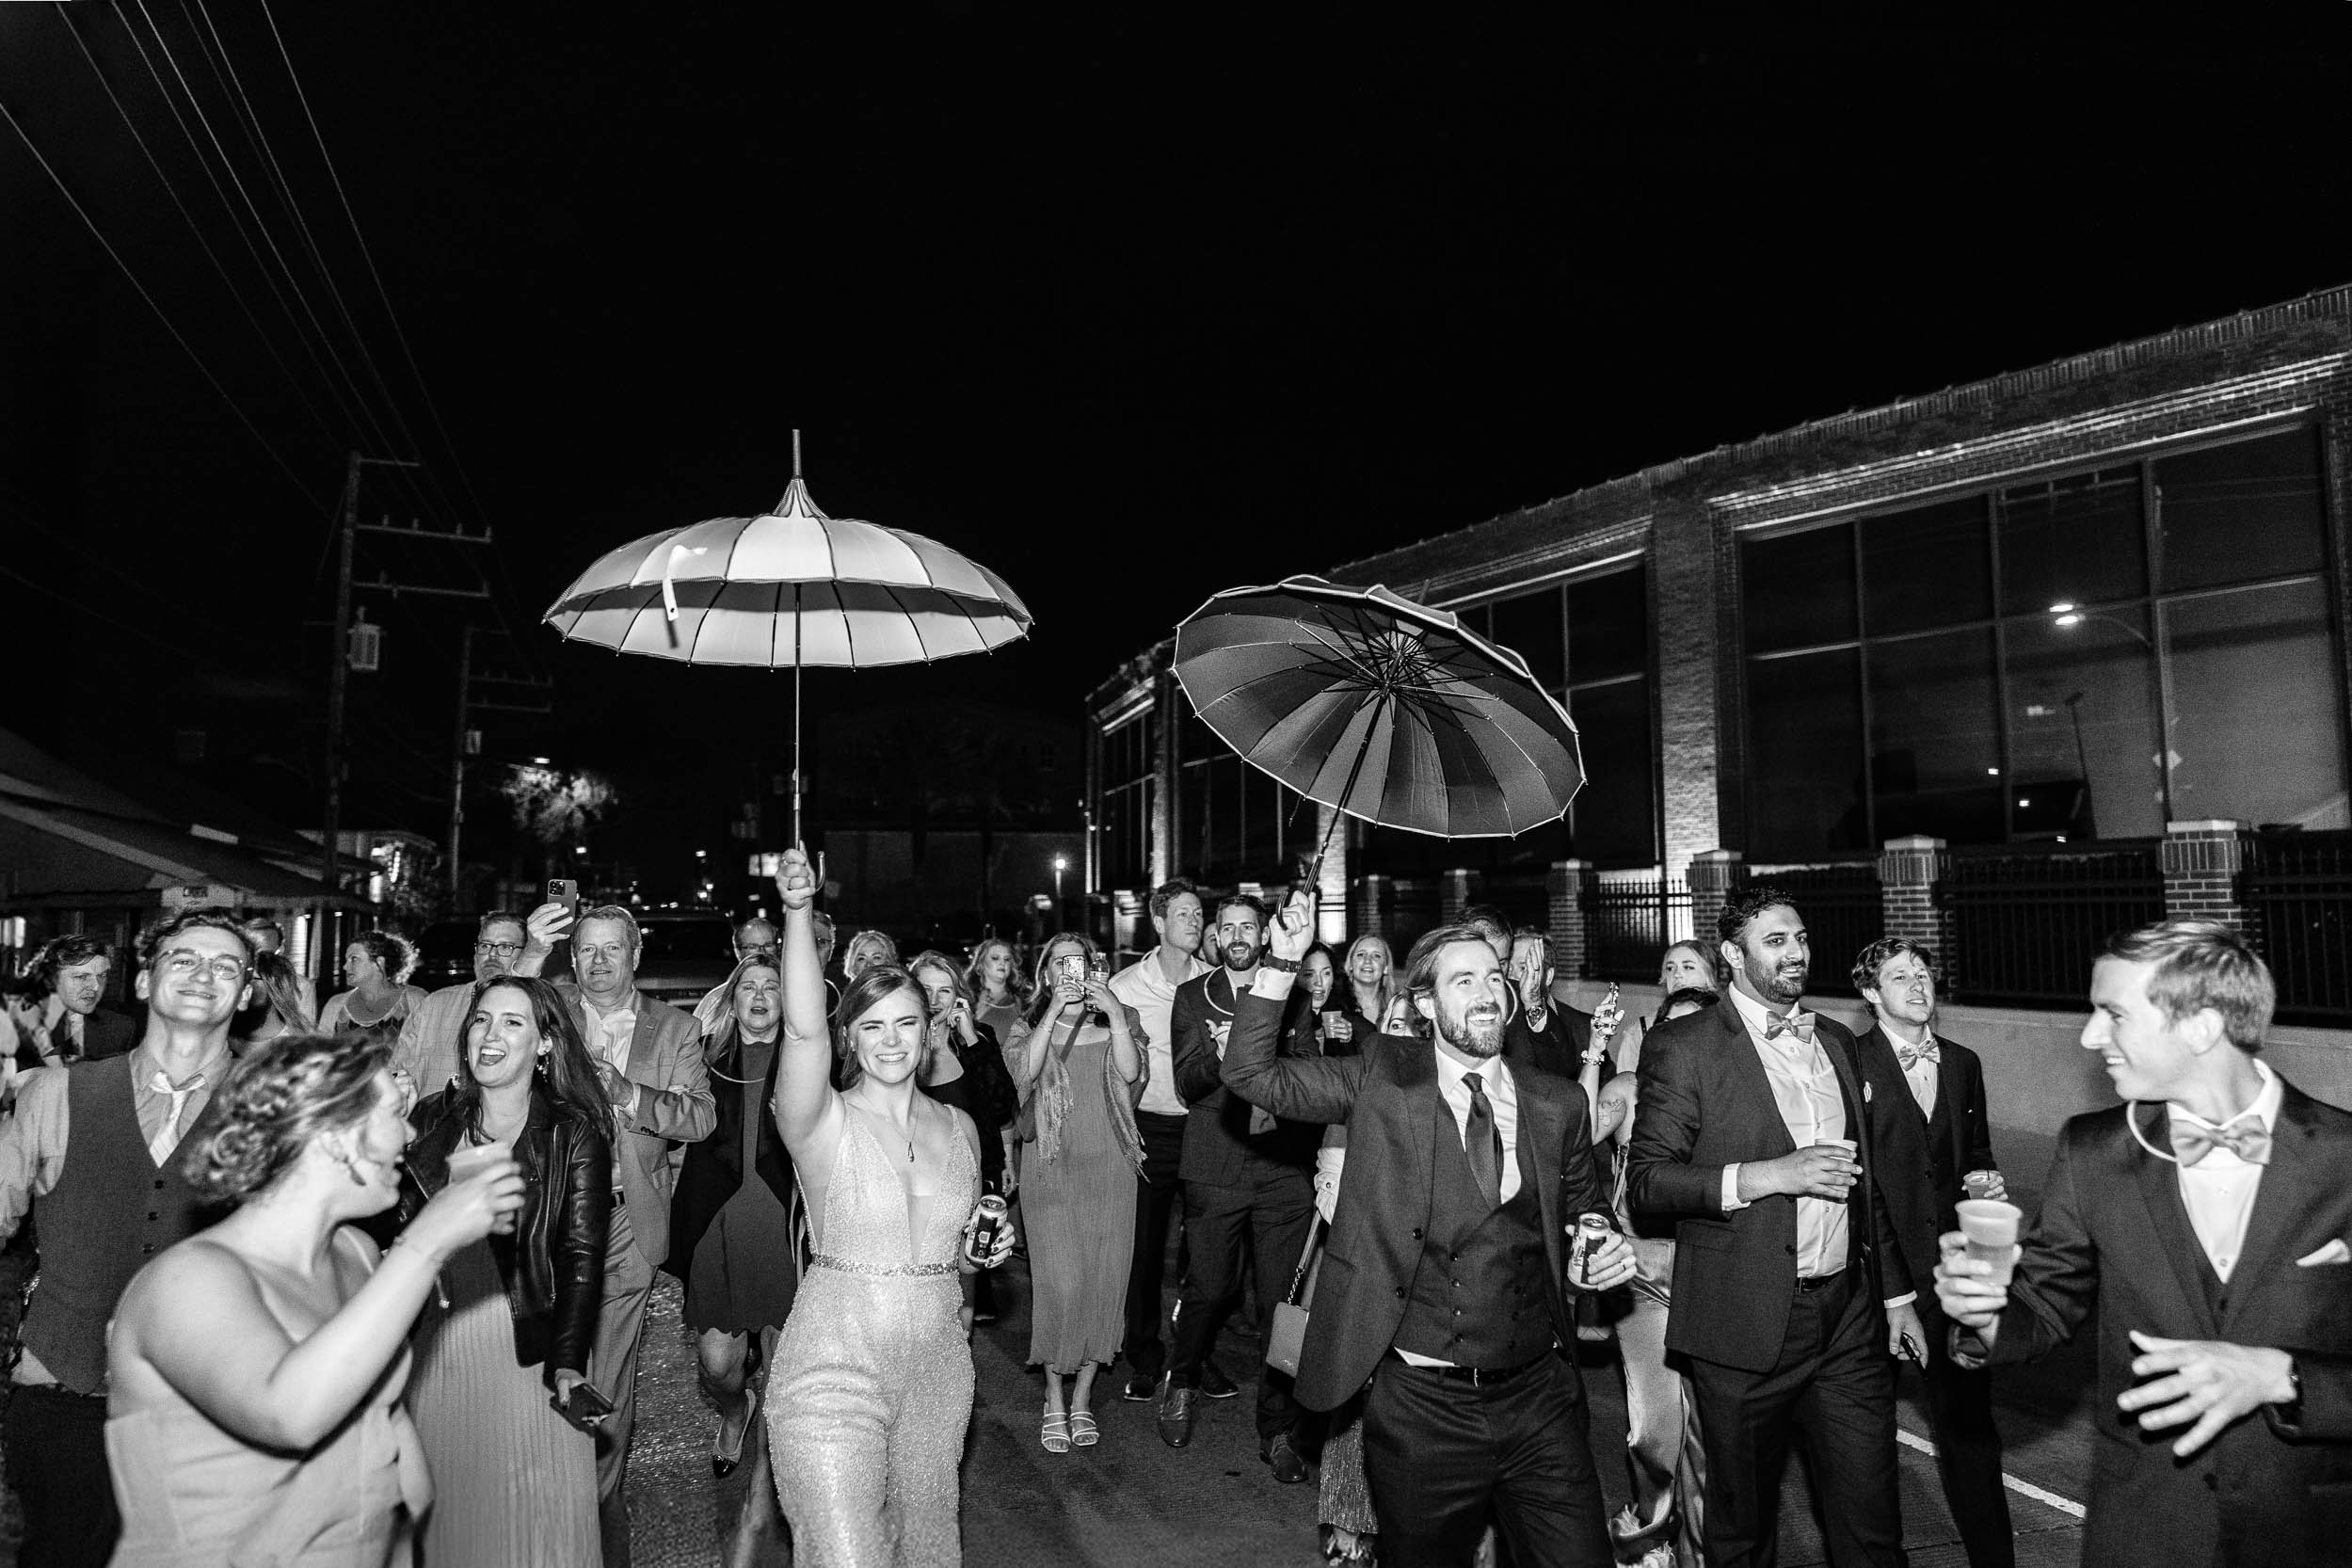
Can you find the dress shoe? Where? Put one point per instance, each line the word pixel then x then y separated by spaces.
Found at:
pixel 1214 1384
pixel 1289 1466
pixel 1140 1387
pixel 1176 1414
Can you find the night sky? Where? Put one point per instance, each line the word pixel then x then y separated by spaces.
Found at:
pixel 1131 306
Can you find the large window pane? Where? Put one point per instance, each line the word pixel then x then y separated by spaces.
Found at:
pixel 1609 625
pixel 1615 812
pixel 2078 540
pixel 1935 743
pixel 2083 744
pixel 2240 512
pixel 2255 707
pixel 1529 627
pixel 1804 741
pixel 1931 566
pixel 1797 589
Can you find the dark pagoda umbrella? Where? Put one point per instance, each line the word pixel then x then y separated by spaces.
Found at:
pixel 1360 700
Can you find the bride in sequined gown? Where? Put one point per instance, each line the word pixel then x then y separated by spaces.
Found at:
pixel 873 1384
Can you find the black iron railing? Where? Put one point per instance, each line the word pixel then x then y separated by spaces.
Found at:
pixel 1418 909
pixel 1843 913
pixel 1625 925
pixel 2297 895
pixel 2025 925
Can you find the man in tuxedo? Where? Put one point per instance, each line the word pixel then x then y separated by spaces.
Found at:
pixel 1751 1141
pixel 1244 1174
pixel 1446 1280
pixel 2204 1222
pixel 1927 1100
pixel 59 1021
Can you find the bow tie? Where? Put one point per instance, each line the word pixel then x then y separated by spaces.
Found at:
pixel 1798 1023
pixel 2243 1137
pixel 1908 1055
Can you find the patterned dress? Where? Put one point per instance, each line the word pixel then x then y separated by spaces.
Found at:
pixel 872 1385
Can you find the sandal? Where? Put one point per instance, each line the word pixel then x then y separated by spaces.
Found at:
pixel 1054 1435
pixel 1083 1433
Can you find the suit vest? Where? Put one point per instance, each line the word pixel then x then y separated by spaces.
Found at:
pixel 111 1210
pixel 1479 1297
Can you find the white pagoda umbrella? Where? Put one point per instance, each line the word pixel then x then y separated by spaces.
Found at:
pixel 790 588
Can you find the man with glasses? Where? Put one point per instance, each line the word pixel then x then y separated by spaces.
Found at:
pixel 433 1040
pixel 93 1148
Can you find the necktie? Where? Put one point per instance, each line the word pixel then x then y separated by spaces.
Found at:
pixel 167 1136
pixel 2243 1137
pixel 1483 1143
pixel 1798 1023
pixel 1908 1055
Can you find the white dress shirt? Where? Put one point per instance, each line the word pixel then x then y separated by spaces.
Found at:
pixel 1145 986
pixel 1921 1074
pixel 2218 1191
pixel 1805 1090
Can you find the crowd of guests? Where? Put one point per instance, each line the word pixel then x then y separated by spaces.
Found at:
pixel 387 1295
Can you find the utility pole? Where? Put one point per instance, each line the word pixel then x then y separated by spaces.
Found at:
pixel 457 761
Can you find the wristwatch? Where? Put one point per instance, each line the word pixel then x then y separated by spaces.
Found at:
pixel 1280 966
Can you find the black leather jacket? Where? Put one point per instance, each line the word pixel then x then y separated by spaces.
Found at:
pixel 553 1264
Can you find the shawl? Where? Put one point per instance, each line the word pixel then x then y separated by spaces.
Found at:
pixel 1046 1099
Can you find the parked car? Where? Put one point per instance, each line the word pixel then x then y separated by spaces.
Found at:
pixel 684 956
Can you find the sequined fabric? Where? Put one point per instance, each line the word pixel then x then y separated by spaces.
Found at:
pixel 873 1384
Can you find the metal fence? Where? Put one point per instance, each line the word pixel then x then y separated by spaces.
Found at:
pixel 1843 913
pixel 2296 891
pixel 1625 925
pixel 2023 926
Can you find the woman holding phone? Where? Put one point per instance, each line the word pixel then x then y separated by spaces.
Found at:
pixel 507 1340
pixel 1077 1061
pixel 872 1388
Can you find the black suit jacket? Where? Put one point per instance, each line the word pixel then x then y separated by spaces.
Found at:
pixel 1387 1097
pixel 1219 1147
pixel 1921 1202
pixel 1558 1048
pixel 1705 1103
pixel 2113 1239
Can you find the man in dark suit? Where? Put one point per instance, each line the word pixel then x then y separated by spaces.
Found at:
pixel 1445 1282
pixel 2207 1223
pixel 1749 1140
pixel 60 1020
pixel 1244 1174
pixel 1927 1099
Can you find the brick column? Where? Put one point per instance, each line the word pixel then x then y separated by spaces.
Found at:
pixel 1372 906
pixel 1712 875
pixel 1565 889
pixel 1908 870
pixel 1456 891
pixel 2202 863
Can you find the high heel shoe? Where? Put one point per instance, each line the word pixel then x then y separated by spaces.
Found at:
pixel 1053 1435
pixel 723 1462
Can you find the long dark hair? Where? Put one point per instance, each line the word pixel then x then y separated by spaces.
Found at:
pixel 873 984
pixel 566 1077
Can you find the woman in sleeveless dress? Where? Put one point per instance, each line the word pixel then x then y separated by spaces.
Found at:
pixel 872 1385
pixel 1079 1061
pixel 375 966
pixel 255 1370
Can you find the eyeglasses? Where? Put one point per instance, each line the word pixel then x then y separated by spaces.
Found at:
pixel 187 961
pixel 503 950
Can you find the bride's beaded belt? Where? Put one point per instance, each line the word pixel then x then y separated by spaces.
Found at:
pixel 884 1271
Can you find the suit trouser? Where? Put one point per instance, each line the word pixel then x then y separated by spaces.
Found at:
pixel 1275 1211
pixel 1833 1384
pixel 1443 1456
pixel 58 1464
pixel 1157 1194
pixel 613 1368
pixel 1967 1449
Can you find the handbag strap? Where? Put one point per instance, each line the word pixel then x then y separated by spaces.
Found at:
pixel 1306 1256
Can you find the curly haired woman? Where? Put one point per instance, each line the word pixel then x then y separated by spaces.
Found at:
pixel 376 966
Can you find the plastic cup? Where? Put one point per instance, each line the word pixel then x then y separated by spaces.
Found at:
pixel 1853 1151
pixel 1990 1228
pixel 470 1161
pixel 1980 1184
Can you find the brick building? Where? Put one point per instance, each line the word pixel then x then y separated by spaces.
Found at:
pixel 2009 666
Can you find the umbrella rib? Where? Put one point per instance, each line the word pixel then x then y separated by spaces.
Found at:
pixel 917 629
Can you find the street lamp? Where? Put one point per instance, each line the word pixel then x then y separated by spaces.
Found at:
pixel 2070 614
pixel 1061 864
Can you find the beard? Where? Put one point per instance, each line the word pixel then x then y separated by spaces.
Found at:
pixel 1239 956
pixel 1785 982
pixel 1478 1030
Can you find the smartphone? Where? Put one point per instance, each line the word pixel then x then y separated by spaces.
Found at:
pixel 1072 968
pixel 584 1409
pixel 564 890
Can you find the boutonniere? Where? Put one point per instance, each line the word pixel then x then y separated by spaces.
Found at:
pixel 1866 1092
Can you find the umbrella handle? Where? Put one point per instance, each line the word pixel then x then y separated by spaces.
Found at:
pixel 670 594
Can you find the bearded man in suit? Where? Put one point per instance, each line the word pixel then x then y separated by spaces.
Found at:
pixel 1448 1279
pixel 2206 1224
pixel 1926 1096
pixel 1751 1143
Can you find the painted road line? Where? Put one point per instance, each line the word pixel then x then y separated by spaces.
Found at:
pixel 2023 1488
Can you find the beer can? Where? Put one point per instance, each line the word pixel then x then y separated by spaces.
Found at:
pixel 1592 1232
pixel 992 1212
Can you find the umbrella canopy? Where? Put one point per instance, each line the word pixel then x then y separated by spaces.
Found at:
pixel 1361 699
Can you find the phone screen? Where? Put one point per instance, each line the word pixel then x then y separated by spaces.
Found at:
pixel 1072 966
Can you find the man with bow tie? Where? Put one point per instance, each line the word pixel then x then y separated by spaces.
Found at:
pixel 1927 1101
pixel 1752 1141
pixel 2203 1223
